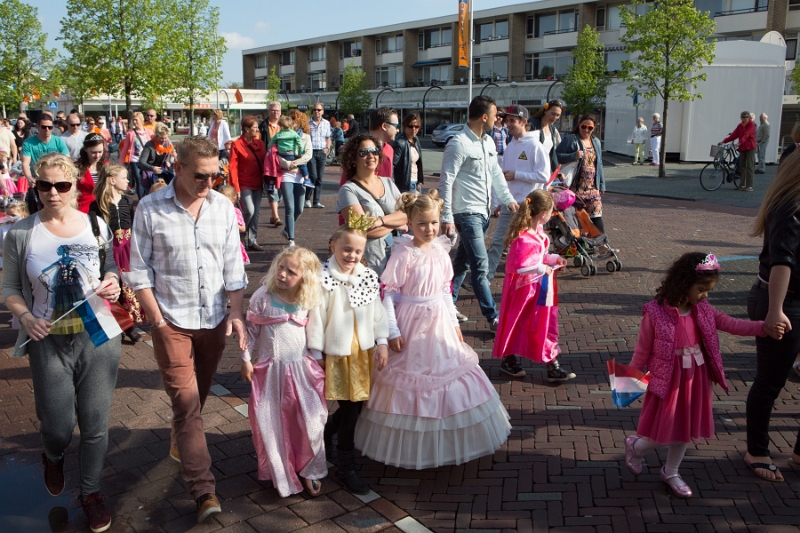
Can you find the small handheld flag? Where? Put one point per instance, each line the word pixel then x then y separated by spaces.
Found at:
pixel 627 383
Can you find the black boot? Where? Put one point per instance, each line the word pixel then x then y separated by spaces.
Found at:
pixel 347 473
pixel 556 374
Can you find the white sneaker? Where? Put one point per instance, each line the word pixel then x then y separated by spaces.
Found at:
pixel 308 203
pixel 291 244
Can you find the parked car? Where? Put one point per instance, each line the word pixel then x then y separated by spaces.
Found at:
pixel 447 131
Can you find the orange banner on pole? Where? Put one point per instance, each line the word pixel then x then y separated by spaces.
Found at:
pixel 464 23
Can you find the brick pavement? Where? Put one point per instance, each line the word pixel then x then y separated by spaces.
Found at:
pixel 561 469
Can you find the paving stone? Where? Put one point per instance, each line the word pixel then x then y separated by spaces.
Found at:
pixel 318 509
pixel 364 520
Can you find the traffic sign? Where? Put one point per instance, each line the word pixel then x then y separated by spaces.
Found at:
pixel 52 106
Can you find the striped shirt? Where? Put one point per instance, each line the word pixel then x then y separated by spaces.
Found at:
pixel 656 129
pixel 318 133
pixel 190 265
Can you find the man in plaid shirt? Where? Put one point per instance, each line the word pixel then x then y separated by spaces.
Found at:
pixel 185 265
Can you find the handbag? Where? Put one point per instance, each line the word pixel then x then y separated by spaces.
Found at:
pixel 568 171
pixel 121 315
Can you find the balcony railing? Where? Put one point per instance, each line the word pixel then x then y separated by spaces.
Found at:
pixel 740 11
pixel 555 32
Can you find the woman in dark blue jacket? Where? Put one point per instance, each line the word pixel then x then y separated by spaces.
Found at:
pixel 587 179
pixel 408 155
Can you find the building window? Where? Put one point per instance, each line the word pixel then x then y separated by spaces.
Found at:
pixel 389 76
pixel 547 66
pixel 794 5
pixel 286 57
pixel 260 83
pixel 389 44
pixel 491 31
pixel 530 24
pixel 435 37
pixel 261 61
pixel 600 19
pixel 568 20
pixel 435 75
pixel 791 49
pixel 546 22
pixel 286 84
pixel 316 53
pixel 614 61
pixel 491 68
pixel 349 49
pixel 712 7
pixel 316 81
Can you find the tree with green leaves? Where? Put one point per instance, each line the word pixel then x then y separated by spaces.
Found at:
pixel 112 46
pixel 193 50
pixel 26 64
pixel 669 43
pixel 353 96
pixel 273 86
pixel 586 81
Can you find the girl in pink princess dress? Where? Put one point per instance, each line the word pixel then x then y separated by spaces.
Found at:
pixel 528 324
pixel 432 404
pixel 287 405
pixel 230 192
pixel 679 345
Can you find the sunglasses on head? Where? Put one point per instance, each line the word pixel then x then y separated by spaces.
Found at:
pixel 587 127
pixel 60 186
pixel 364 152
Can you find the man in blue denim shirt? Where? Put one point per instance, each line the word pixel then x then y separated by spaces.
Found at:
pixel 469 173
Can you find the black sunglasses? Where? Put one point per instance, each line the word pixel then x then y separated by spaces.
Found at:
pixel 364 152
pixel 586 127
pixel 46 186
pixel 46 127
pixel 318 109
pixel 204 177
pixel 74 125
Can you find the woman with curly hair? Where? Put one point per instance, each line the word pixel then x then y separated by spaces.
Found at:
pixel 365 192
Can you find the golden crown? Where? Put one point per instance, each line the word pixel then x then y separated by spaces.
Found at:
pixel 359 222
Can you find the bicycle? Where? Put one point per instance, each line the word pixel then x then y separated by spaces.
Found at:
pixel 724 168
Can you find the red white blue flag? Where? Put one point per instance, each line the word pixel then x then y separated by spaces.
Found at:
pixel 627 383
pixel 98 320
pixel 548 294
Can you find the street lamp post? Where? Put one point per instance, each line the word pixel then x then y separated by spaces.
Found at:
pixel 486 86
pixel 377 96
pixel 424 96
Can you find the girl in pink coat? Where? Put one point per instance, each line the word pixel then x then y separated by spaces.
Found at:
pixel 528 324
pixel 679 345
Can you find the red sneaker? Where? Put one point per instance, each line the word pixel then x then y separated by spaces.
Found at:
pixel 99 519
pixel 53 475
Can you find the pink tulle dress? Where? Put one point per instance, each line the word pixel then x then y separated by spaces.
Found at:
pixel 432 405
pixel 528 321
pixel 240 222
pixel 287 407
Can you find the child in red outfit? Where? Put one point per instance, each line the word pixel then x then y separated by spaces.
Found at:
pixel 679 345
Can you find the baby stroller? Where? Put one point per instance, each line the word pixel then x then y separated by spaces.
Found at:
pixel 572 234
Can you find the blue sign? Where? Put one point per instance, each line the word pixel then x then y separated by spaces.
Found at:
pixel 52 105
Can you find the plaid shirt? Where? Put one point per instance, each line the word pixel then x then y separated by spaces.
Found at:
pixel 189 265
pixel 318 133
pixel 500 136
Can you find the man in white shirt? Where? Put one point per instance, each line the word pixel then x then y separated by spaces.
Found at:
pixel 526 167
pixel 74 136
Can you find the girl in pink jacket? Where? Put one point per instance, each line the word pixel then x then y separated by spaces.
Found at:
pixel 679 345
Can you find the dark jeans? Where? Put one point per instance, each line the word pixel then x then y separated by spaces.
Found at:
pixel 32 199
pixel 774 361
pixel 316 169
pixel 598 221
pixel 135 179
pixel 472 255
pixel 343 423
pixel 294 195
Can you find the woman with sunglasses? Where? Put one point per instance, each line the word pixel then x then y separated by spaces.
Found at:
pixel 364 192
pixel 93 156
pixel 543 125
pixel 51 262
pixel 408 155
pixel 588 182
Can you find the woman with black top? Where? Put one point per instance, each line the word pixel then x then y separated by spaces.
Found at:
pixel 116 207
pixel 408 155
pixel 21 131
pixel 774 298
pixel 156 157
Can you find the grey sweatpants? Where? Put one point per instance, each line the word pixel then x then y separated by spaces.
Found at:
pixel 73 379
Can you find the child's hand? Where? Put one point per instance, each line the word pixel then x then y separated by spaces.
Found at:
pixel 460 336
pixel 561 262
pixel 548 271
pixel 776 331
pixel 396 344
pixel 242 229
pixel 382 356
pixel 247 371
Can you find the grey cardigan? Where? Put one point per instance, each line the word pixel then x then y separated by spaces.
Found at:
pixel 15 277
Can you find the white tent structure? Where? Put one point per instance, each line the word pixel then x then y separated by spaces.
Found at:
pixel 745 76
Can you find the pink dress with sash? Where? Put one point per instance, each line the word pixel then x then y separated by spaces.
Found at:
pixel 287 405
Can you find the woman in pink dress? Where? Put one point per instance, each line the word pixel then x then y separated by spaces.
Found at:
pixel 528 324
pixel 432 404
pixel 679 345
pixel 287 407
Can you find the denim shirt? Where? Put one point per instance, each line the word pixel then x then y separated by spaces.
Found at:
pixel 469 173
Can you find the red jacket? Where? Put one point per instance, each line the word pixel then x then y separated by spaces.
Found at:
pixel 746 136
pixel 246 166
pixel 85 192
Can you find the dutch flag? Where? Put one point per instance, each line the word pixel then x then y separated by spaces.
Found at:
pixel 548 295
pixel 98 320
pixel 627 383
